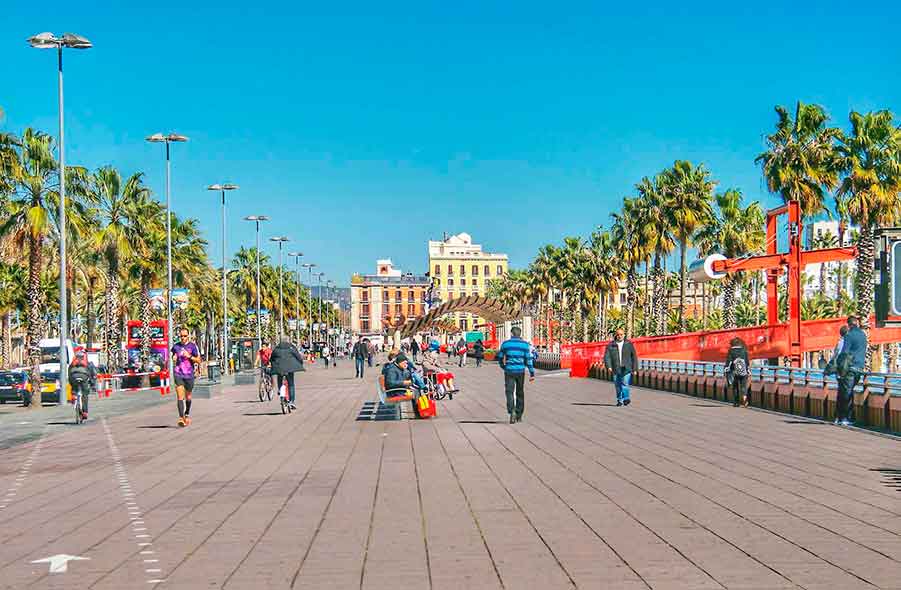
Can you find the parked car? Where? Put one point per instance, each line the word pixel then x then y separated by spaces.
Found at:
pixel 13 386
pixel 50 387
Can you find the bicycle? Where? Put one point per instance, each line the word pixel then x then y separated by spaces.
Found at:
pixel 80 413
pixel 265 389
pixel 283 397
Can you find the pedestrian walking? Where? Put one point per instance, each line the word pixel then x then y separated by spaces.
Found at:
pixel 370 347
pixel 414 348
pixel 286 361
pixel 360 353
pixel 737 371
pixel 462 351
pixel 186 357
pixel 849 366
pixel 620 357
pixel 514 358
pixel 478 352
pixel 325 354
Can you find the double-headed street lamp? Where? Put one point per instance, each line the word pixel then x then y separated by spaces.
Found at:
pixel 222 188
pixel 167 139
pixel 310 266
pixel 258 219
pixel 69 41
pixel 297 256
pixel 281 306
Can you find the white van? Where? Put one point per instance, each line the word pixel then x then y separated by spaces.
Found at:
pixel 50 354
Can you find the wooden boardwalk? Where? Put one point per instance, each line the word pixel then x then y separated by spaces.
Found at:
pixel 669 493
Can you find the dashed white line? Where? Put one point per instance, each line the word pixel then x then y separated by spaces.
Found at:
pixel 23 471
pixel 134 511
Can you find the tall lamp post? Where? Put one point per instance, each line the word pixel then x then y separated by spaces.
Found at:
pixel 319 298
pixel 281 306
pixel 310 266
pixel 168 139
pixel 70 41
pixel 328 290
pixel 258 219
pixel 222 188
pixel 297 256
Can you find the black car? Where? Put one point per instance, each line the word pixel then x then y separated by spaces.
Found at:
pixel 12 386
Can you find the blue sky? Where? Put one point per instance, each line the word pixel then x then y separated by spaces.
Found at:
pixel 366 129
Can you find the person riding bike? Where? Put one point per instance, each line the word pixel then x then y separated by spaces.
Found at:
pixel 285 361
pixel 265 356
pixel 82 375
pixel 431 362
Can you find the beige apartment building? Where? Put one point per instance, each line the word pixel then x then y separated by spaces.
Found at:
pixel 458 267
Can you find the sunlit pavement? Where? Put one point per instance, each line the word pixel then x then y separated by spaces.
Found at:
pixel 670 492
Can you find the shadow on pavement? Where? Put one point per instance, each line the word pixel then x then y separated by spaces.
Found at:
pixel 246 401
pixel 481 422
pixel 262 414
pixel 593 404
pixel 810 422
pixel 156 426
pixel 709 405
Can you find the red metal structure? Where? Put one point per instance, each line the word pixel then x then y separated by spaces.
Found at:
pixel 775 339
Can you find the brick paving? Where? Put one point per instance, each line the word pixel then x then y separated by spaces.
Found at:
pixel 670 493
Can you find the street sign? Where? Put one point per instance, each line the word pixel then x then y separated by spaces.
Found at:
pixel 895 279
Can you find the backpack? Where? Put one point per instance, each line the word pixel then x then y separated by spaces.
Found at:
pixel 739 368
pixel 843 363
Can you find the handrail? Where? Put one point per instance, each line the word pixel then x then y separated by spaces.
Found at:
pixel 878 383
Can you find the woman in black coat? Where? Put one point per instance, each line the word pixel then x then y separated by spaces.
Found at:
pixel 738 371
pixel 285 361
pixel 478 352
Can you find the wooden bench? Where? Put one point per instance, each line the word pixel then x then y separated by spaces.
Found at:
pixel 393 397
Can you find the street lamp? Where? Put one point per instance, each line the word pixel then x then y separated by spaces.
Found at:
pixel 319 293
pixel 297 256
pixel 281 306
pixel 258 219
pixel 310 267
pixel 328 290
pixel 222 188
pixel 168 139
pixel 70 41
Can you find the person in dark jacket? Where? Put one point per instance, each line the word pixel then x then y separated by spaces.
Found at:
pixel 398 376
pixel 478 352
pixel 514 358
pixel 620 357
pixel 360 353
pixel 738 367
pixel 285 361
pixel 855 346
pixel 82 374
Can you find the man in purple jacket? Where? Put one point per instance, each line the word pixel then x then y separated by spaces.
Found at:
pixel 185 357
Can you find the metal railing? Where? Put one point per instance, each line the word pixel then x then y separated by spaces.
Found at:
pixel 548 361
pixel 878 383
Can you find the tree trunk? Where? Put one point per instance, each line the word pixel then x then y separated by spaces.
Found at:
pixel 863 284
pixel 145 324
pixel 603 317
pixel 823 279
pixel 659 301
pixel 4 342
pixel 729 302
pixel 89 312
pixel 631 287
pixel 35 323
pixel 683 275
pixel 113 333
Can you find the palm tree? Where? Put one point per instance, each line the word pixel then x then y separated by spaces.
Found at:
pixel 824 239
pixel 32 174
pixel 732 231
pixel 655 225
pixel 606 272
pixel 870 163
pixel 12 297
pixel 688 191
pixel 118 238
pixel 800 161
pixel 631 249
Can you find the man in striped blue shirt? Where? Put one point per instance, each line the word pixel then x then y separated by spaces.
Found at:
pixel 515 357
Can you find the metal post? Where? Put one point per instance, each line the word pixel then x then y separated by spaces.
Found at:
pixel 319 314
pixel 169 268
pixel 281 306
pixel 310 305
pixel 259 319
pixel 226 368
pixel 63 315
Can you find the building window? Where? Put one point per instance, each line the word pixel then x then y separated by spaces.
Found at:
pixel 398 309
pixel 365 309
pixel 450 282
pixel 411 310
pixel 462 282
pixel 437 270
pixel 365 295
pixel 450 270
pixel 437 282
pixel 500 270
pixel 386 310
pixel 475 270
pixel 410 297
pixel 487 270
pixel 397 296
pixel 622 298
pixel 462 270
pixel 464 325
pixel 364 325
pixel 475 282
pixel 385 295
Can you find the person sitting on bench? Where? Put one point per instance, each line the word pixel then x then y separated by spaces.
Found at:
pixel 431 361
pixel 398 376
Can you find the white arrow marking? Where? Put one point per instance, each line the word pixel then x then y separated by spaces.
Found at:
pixel 59 564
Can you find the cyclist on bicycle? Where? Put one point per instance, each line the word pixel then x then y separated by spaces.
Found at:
pixel 264 357
pixel 82 374
pixel 285 361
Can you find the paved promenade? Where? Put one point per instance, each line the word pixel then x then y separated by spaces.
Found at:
pixel 669 493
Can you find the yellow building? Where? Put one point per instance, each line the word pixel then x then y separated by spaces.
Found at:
pixel 459 267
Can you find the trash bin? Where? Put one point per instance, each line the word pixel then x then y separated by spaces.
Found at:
pixel 213 372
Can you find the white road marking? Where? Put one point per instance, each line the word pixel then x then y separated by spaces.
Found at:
pixel 59 564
